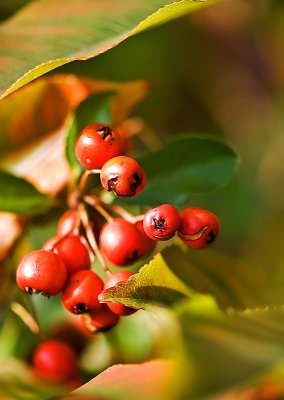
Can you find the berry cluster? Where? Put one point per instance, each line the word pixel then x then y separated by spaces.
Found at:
pixel 196 227
pixel 92 228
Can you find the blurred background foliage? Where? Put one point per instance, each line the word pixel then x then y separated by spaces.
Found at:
pixel 219 71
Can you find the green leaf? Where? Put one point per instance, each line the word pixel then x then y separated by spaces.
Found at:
pixel 233 282
pixel 224 351
pixel 154 285
pixel 243 345
pixel 96 108
pixel 47 34
pixel 20 197
pixel 184 166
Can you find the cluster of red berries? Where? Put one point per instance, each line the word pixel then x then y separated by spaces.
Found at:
pixel 196 227
pixel 63 264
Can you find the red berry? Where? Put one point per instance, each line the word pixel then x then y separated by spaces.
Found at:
pixel 55 361
pixel 198 227
pixel 81 292
pixel 43 272
pixel 72 252
pixel 103 318
pixel 66 223
pixel 121 242
pixel 111 281
pixel 96 144
pixel 148 244
pixel 125 141
pixel 97 223
pixel 162 222
pixel 124 176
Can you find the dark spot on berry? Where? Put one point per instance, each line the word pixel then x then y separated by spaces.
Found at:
pixel 135 181
pixel 111 184
pixel 160 224
pixel 80 308
pixel 133 257
pixel 105 132
pixel 210 237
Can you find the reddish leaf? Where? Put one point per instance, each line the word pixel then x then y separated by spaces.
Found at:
pixel 34 130
pixel 10 230
pixel 149 380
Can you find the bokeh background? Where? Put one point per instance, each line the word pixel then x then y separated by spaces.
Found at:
pixel 218 71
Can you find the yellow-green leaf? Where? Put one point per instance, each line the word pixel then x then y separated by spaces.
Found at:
pixel 154 285
pixel 46 34
pixel 234 283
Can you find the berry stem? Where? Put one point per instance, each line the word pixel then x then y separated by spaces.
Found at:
pixel 100 206
pixel 84 178
pixel 77 221
pixel 90 251
pixel 92 241
pixel 124 214
pixel 96 203
pixel 88 323
pixel 60 238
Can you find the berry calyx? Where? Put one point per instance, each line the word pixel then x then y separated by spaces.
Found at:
pixel 66 222
pixel 96 144
pixel 81 292
pixel 121 242
pixel 162 222
pixel 55 361
pixel 72 252
pixel 124 176
pixel 111 281
pixel 43 272
pixel 199 228
pixel 103 319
